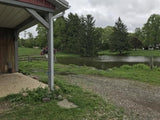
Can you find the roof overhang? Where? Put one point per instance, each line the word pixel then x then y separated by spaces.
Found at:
pixel 15 14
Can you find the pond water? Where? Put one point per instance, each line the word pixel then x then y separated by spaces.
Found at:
pixel 105 62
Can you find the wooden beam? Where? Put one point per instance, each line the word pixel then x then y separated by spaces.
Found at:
pixel 16 51
pixel 25 25
pixel 20 28
pixel 38 17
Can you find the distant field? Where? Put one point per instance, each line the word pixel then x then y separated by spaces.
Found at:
pixel 33 51
pixel 147 53
pixel 28 51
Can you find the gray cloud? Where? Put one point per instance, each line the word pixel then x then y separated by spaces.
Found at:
pixel 134 13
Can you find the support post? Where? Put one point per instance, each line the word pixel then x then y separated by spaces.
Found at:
pixel 16 51
pixel 50 54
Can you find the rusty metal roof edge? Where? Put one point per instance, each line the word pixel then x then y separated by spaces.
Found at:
pixel 64 3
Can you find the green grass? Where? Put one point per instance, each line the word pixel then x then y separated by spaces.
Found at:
pixel 90 106
pixel 33 51
pixel 60 54
pixel 137 72
pixel 28 51
pixel 147 53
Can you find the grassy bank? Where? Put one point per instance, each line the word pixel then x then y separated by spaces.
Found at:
pixel 147 53
pixel 138 72
pixel 34 51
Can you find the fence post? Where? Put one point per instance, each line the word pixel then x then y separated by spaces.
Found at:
pixel 151 63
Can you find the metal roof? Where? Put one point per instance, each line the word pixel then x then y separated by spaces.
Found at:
pixel 11 16
pixel 13 13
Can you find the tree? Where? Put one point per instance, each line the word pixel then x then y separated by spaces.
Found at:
pixel 135 42
pixel 91 36
pixel 60 34
pixel 106 34
pixel 74 33
pixel 151 31
pixel 42 36
pixel 118 39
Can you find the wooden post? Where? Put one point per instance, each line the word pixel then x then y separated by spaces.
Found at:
pixel 151 63
pixel 16 51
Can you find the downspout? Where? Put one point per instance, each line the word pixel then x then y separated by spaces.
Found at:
pixel 51 57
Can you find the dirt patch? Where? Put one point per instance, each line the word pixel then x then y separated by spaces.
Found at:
pixel 14 83
pixel 66 104
pixel 139 100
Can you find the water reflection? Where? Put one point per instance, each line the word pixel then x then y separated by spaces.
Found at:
pixel 105 62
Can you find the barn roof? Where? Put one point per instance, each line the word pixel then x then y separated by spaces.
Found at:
pixel 16 14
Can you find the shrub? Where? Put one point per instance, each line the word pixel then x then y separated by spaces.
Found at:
pixel 126 67
pixel 35 95
pixel 141 66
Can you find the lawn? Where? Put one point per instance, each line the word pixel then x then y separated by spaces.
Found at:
pixel 28 51
pixel 36 52
pixel 147 53
pixel 138 72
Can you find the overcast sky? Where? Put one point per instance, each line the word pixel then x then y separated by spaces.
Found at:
pixel 134 13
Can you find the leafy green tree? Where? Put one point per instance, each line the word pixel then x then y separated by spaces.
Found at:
pixel 100 42
pixel 73 32
pixel 21 42
pixel 118 39
pixel 106 34
pixel 29 42
pixel 151 31
pixel 91 36
pixel 42 36
pixel 60 34
pixel 135 42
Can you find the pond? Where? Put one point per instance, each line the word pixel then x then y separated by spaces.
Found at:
pixel 106 62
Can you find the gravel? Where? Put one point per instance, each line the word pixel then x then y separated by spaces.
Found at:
pixel 139 100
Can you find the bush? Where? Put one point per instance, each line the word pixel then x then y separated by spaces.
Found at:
pixel 126 67
pixel 141 66
pixel 28 96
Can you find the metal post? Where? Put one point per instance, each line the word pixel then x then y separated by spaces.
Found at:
pixel 51 50
pixel 50 54
pixel 16 51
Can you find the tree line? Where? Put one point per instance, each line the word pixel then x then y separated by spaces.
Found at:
pixel 78 35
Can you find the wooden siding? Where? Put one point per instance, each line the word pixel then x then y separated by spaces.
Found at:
pixel 7 51
pixel 42 3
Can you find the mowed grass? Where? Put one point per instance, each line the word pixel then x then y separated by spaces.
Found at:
pixel 28 51
pixel 147 53
pixel 139 72
pixel 37 51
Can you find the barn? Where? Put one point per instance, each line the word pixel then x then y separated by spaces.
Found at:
pixel 18 15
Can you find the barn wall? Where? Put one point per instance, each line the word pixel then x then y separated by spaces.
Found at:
pixel 7 51
pixel 42 3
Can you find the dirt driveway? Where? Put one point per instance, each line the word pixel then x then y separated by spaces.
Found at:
pixel 140 100
pixel 15 82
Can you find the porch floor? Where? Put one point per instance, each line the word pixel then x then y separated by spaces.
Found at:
pixel 15 82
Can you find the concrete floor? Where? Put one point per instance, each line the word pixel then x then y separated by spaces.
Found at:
pixel 15 82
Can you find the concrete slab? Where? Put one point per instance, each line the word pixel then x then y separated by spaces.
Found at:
pixel 15 82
